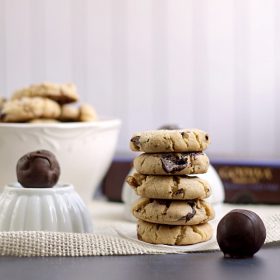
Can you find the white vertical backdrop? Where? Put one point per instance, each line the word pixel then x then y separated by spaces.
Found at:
pixel 208 64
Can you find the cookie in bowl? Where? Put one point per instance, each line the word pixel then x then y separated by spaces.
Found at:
pixel 46 101
pixel 27 109
pixel 61 93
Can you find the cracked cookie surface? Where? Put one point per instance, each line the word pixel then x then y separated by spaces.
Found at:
pixel 172 163
pixel 173 235
pixel 173 212
pixel 162 141
pixel 169 187
pixel 26 109
pixel 61 93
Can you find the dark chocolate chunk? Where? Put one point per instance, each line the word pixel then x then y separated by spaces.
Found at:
pixel 240 233
pixel 172 162
pixel 167 203
pixel 179 191
pixel 38 169
pixel 190 215
pixel 136 141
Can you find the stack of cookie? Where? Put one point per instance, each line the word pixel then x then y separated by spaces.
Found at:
pixel 171 209
pixel 46 102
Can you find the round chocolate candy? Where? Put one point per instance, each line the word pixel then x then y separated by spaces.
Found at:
pixel 39 169
pixel 240 233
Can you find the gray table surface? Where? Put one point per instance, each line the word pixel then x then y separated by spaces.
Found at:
pixel 265 265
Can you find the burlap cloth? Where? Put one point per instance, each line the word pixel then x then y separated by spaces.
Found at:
pixel 114 236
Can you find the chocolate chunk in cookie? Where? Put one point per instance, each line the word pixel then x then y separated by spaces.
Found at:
pixel 171 163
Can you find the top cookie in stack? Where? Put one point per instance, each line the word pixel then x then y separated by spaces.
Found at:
pixel 170 141
pixel 171 209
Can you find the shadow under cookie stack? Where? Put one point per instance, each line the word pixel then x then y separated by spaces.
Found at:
pixel 171 209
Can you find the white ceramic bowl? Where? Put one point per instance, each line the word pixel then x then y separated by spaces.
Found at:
pixel 52 209
pixel 84 150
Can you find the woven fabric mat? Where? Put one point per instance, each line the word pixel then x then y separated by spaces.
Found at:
pixel 115 236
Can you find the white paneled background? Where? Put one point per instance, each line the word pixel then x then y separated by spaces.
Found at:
pixel 208 64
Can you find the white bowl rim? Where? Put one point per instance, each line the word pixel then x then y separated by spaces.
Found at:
pixel 101 123
pixel 59 188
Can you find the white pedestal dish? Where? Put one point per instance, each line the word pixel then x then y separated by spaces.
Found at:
pixel 51 209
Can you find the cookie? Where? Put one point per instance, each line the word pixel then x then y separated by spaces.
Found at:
pixel 173 235
pixel 169 187
pixel 26 109
pixel 87 113
pixel 61 93
pixel 173 212
pixel 171 163
pixel 69 113
pixel 165 141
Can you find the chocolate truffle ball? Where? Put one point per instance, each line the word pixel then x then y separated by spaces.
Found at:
pixel 240 234
pixel 39 169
